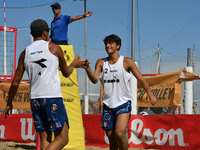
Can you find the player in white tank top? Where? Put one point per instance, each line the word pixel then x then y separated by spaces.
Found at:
pixel 41 60
pixel 42 69
pixel 115 79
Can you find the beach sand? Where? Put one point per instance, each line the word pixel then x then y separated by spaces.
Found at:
pixel 32 146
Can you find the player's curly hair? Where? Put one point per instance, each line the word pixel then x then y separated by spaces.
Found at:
pixel 113 38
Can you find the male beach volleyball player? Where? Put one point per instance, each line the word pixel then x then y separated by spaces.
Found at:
pixel 115 77
pixel 60 24
pixel 41 60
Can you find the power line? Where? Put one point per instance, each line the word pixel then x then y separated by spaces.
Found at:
pixel 182 29
pixel 171 54
pixel 184 56
pixel 32 6
pixel 125 25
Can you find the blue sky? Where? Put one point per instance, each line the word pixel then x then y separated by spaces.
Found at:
pixel 175 24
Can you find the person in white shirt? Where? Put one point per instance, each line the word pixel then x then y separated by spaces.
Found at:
pixel 41 60
pixel 115 77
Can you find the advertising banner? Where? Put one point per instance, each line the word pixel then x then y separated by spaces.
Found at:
pixel 18 128
pixel 166 87
pixel 70 92
pixel 174 132
pixel 21 99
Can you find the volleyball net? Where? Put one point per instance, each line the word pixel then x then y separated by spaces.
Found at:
pixel 8 42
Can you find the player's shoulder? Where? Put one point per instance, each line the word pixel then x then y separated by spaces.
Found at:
pixel 128 60
pixel 100 62
pixel 53 45
pixel 55 49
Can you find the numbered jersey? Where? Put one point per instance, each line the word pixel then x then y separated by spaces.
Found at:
pixel 42 68
pixel 116 83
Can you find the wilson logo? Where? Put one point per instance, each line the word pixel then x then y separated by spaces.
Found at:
pixel 2 128
pixel 161 136
pixel 28 128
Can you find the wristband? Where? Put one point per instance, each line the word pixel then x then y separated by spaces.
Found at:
pixel 84 16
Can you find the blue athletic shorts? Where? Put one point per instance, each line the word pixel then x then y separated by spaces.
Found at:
pixel 109 115
pixel 48 113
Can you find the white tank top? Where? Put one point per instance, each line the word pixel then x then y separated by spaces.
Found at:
pixel 116 83
pixel 42 68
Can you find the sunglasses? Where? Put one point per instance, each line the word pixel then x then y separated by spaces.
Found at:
pixel 55 8
pixel 46 30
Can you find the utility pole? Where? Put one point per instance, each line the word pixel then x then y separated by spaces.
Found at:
pixel 193 62
pixel 133 81
pixel 159 58
pixel 86 78
pixel 133 32
pixel 188 86
pixel 193 66
pixel 189 57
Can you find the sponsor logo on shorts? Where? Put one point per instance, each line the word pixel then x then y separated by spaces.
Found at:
pixel 55 125
pixel 54 108
pixel 107 116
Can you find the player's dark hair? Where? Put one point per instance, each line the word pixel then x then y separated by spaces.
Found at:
pixel 36 34
pixel 113 38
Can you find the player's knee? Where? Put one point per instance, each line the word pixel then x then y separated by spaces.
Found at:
pixel 120 135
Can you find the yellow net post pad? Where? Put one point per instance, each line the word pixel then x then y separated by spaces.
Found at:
pixel 71 98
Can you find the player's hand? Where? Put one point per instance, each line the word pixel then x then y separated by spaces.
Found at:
pixel 153 99
pixel 79 63
pixel 89 13
pixel 8 110
pixel 87 63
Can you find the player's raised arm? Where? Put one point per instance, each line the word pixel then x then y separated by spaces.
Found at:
pixel 87 14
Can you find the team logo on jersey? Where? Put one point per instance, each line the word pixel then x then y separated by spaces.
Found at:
pixel 36 52
pixel 40 62
pixel 111 81
pixel 113 70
